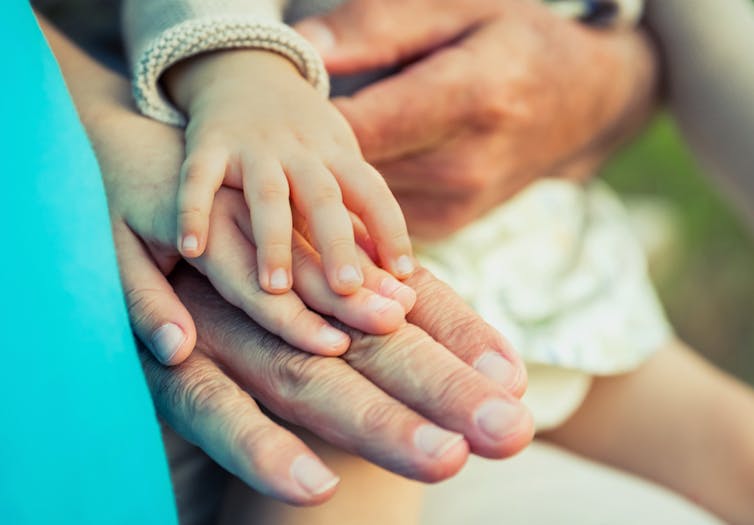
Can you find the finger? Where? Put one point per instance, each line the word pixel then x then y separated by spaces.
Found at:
pixel 365 310
pixel 230 264
pixel 386 285
pixel 268 197
pixel 158 317
pixel 325 396
pixel 366 194
pixel 423 105
pixel 208 409
pixel 363 35
pixel 363 240
pixel 202 174
pixel 318 198
pixel 453 395
pixel 464 333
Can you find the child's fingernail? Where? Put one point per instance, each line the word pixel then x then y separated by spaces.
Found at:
pixel 279 279
pixel 380 304
pixel 393 288
pixel 404 266
pixel 318 34
pixel 349 275
pixel 166 341
pixel 190 243
pixel 312 475
pixel 331 337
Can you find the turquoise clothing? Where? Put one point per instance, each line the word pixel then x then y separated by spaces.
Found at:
pixel 79 441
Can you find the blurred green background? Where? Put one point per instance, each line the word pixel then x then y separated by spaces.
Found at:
pixel 701 251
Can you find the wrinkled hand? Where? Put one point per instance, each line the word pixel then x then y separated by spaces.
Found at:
pixel 491 95
pixel 389 399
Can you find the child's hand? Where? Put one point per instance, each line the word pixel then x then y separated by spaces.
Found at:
pixel 140 160
pixel 257 125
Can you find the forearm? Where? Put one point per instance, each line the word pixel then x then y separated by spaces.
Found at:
pixel 706 46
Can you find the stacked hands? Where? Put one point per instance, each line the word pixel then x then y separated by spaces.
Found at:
pixel 278 208
pixel 269 133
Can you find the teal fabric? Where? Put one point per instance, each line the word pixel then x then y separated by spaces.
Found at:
pixel 79 441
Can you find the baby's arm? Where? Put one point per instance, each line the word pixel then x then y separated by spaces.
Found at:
pixel 163 32
pixel 708 51
pixel 256 124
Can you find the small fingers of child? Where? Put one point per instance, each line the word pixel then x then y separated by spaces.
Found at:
pixel 319 199
pixel 364 309
pixel 231 266
pixel 366 193
pixel 202 174
pixel 267 195
pixel 386 285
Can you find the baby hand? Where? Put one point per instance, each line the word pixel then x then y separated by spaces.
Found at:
pixel 255 124
pixel 139 160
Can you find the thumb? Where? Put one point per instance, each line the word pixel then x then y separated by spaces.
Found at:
pixel 362 35
pixel 158 317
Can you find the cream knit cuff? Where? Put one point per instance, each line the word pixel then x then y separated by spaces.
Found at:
pixel 214 33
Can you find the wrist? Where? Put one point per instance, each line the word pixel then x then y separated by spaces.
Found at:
pixel 206 76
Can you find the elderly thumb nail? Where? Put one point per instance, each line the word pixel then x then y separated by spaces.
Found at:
pixel 318 34
pixel 166 341
pixel 312 475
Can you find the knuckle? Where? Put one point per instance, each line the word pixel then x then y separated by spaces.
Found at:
pixel 338 243
pixel 272 192
pixel 325 195
pixel 377 417
pixel 190 211
pixel 142 307
pixel 295 372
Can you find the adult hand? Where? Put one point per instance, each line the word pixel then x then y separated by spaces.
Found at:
pixel 490 95
pixel 388 399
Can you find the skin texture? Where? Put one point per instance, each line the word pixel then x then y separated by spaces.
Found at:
pixel 400 386
pixel 484 102
pixel 300 153
pixel 384 409
pixel 677 421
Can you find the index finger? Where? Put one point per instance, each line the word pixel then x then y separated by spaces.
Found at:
pixel 412 110
pixel 207 408
pixel 324 395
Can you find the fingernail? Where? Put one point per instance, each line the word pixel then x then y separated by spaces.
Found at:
pixel 391 287
pixel 279 279
pixel 498 419
pixel 312 475
pixel 380 304
pixel 332 337
pixel 318 34
pixel 497 368
pixel 190 243
pixel 349 274
pixel 404 265
pixel 167 340
pixel 435 441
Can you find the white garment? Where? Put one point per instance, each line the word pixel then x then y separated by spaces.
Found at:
pixel 547 485
pixel 559 273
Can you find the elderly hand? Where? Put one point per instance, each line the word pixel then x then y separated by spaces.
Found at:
pixel 403 401
pixel 490 95
pixel 388 399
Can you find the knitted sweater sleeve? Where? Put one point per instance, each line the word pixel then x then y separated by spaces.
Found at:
pixel 160 33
